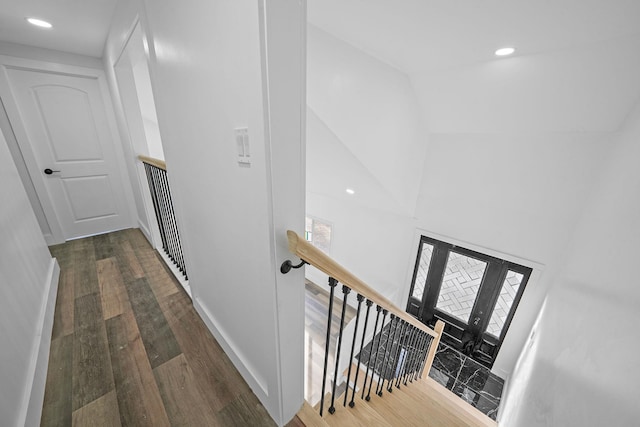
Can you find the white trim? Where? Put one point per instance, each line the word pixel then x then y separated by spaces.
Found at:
pixel 248 372
pixel 33 397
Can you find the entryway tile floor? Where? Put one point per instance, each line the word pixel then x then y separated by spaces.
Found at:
pixel 468 379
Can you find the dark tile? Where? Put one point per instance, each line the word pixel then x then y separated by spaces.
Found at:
pixel 446 365
pixel 479 400
pixel 480 379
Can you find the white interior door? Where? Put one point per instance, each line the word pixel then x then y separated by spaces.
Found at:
pixel 67 129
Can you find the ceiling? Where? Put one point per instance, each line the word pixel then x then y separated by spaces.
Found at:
pixel 79 26
pixel 424 35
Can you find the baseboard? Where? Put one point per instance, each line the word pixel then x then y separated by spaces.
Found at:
pixel 255 381
pixel 33 398
pixel 145 231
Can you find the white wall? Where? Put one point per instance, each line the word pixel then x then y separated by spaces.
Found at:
pixel 581 368
pixel 516 196
pixel 371 109
pixel 28 283
pixel 212 70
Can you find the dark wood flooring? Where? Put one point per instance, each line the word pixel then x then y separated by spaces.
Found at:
pixel 128 348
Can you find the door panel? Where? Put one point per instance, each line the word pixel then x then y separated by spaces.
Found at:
pixel 67 129
pixel 56 106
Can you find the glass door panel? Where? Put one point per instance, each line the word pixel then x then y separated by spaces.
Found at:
pixel 508 293
pixel 460 285
pixel 422 270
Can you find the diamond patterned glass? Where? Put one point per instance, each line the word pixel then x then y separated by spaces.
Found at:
pixel 423 270
pixel 508 293
pixel 460 285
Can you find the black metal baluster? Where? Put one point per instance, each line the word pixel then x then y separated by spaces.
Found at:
pixel 396 357
pixel 364 334
pixel 423 355
pixel 163 210
pixel 179 253
pixel 353 346
pixel 165 198
pixel 332 284
pixel 406 355
pixel 154 199
pixel 375 328
pixel 416 361
pixel 375 358
pixel 345 291
pixel 411 356
pixel 174 226
pixel 375 363
pixel 385 359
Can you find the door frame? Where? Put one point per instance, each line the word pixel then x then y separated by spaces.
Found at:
pixel 27 150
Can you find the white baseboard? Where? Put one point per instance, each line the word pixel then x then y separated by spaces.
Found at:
pixel 145 231
pixel 33 398
pixel 256 382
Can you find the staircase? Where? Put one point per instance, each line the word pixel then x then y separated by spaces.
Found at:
pixel 425 404
pixel 401 350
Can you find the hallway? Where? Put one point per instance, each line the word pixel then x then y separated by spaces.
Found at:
pixel 128 348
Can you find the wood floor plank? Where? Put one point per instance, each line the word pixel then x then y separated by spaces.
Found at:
pixel 92 376
pixel 102 412
pixel 84 263
pixel 63 315
pixel 157 336
pixel 131 259
pixel 183 400
pixel 217 378
pixel 160 278
pixel 56 410
pixel 246 410
pixel 102 246
pixel 139 399
pixel 113 293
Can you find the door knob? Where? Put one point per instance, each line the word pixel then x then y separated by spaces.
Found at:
pixel 49 171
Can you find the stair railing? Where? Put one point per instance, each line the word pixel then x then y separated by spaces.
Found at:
pixel 400 350
pixel 156 171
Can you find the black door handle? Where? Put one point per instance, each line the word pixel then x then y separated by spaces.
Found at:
pixel 49 171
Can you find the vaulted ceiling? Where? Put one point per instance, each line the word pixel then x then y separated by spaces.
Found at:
pixel 573 77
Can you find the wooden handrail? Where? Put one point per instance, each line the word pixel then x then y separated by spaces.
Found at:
pixel 315 257
pixel 153 162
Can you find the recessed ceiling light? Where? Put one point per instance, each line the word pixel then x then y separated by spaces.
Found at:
pixel 505 51
pixel 350 191
pixel 39 22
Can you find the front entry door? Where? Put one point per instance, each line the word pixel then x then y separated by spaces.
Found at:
pixel 66 125
pixel 473 293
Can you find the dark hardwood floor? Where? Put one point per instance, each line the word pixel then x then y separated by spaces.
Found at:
pixel 128 348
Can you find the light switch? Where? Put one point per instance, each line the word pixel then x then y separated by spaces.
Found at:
pixel 242 144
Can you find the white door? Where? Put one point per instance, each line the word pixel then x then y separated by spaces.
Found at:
pixel 67 129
